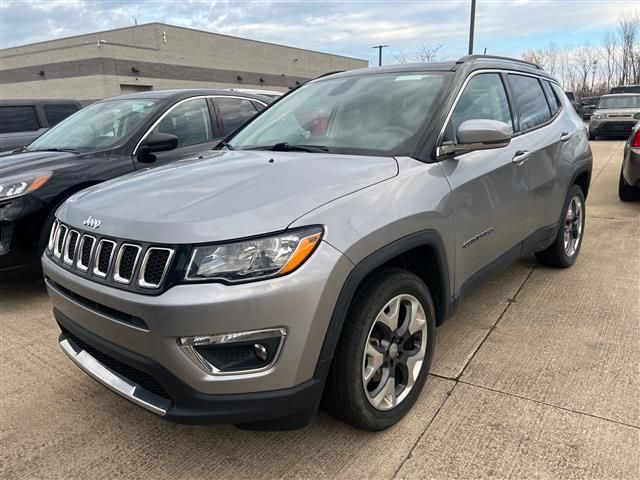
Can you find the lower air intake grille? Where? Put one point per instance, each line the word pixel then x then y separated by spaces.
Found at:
pixel 144 380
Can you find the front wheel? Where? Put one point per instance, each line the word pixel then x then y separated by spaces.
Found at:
pixel 565 248
pixel 385 351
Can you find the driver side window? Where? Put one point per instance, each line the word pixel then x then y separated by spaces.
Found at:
pixel 190 122
pixel 484 98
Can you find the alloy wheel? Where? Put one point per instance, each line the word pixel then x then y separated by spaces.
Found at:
pixel 573 226
pixel 394 352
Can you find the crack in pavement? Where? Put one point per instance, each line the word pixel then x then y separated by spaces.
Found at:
pixel 510 301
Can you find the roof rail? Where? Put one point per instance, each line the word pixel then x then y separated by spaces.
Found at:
pixel 468 58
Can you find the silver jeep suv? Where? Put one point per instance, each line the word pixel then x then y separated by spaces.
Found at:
pixel 314 253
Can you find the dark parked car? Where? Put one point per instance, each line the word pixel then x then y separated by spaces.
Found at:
pixel 107 139
pixel 625 89
pixel 629 186
pixel 22 121
pixel 589 105
pixel 575 101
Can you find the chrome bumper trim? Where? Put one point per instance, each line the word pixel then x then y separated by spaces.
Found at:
pixel 112 380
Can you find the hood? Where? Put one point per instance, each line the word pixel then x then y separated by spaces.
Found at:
pixel 623 112
pixel 227 195
pixel 27 162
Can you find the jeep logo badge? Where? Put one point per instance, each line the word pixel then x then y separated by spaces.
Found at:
pixel 92 222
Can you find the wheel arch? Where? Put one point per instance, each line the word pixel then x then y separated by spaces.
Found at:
pixel 422 253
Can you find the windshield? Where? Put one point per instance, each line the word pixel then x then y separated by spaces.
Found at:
pixel 383 113
pixel 100 125
pixel 623 101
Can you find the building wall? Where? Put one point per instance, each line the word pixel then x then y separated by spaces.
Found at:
pixel 156 55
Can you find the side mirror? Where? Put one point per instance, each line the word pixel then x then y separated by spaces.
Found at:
pixel 156 142
pixel 478 134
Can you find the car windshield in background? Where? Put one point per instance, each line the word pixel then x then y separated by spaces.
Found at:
pixel 626 101
pixel 382 113
pixel 101 125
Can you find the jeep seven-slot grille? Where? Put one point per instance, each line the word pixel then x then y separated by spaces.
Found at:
pixel 121 263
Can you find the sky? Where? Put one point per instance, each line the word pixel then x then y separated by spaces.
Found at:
pixel 348 27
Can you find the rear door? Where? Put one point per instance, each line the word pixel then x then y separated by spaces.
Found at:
pixel 490 188
pixel 540 125
pixel 192 123
pixel 19 126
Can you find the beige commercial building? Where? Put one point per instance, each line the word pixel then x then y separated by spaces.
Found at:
pixel 156 56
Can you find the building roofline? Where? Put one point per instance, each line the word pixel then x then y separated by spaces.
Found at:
pixel 181 28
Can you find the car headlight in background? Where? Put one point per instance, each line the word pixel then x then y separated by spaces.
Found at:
pixel 597 116
pixel 11 187
pixel 637 116
pixel 253 259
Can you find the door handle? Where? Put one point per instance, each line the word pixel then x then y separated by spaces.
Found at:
pixel 565 136
pixel 520 157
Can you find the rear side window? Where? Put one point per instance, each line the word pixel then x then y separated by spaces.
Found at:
pixel 18 119
pixel 554 103
pixel 530 101
pixel 234 112
pixel 483 98
pixel 56 112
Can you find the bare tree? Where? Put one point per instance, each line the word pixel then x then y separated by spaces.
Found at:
pixel 628 27
pixel 423 54
pixel 610 56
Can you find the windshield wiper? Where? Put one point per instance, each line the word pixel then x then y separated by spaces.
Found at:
pixel 70 150
pixel 288 147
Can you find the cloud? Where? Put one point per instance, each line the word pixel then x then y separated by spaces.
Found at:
pixel 344 27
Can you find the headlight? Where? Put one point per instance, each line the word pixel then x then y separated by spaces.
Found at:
pixel 597 116
pixel 253 259
pixel 637 116
pixel 11 187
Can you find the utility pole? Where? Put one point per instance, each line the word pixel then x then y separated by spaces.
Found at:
pixel 472 25
pixel 380 47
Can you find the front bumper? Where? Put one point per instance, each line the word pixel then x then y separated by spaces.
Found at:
pixel 608 127
pixel 301 302
pixel 21 220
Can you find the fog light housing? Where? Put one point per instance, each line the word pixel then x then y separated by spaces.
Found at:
pixel 235 353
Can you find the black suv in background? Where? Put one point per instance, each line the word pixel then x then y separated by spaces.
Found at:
pixel 105 140
pixel 22 121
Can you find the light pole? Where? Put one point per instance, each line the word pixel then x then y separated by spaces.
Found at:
pixel 472 23
pixel 593 74
pixel 380 47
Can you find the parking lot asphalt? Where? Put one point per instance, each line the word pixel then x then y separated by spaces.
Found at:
pixel 536 376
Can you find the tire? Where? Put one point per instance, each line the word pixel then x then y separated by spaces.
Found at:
pixel 627 193
pixel 348 394
pixel 560 254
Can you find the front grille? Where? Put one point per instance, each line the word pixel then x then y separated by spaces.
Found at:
pixel 61 234
pixel 141 267
pixel 70 250
pixel 154 266
pixel 126 262
pixel 86 249
pixel 143 379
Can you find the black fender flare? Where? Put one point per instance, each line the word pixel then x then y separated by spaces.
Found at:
pixel 429 238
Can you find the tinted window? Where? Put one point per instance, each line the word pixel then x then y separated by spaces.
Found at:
pixel 18 119
pixel 56 112
pixel 234 112
pixel 530 101
pixel 484 98
pixel 551 96
pixel 189 121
